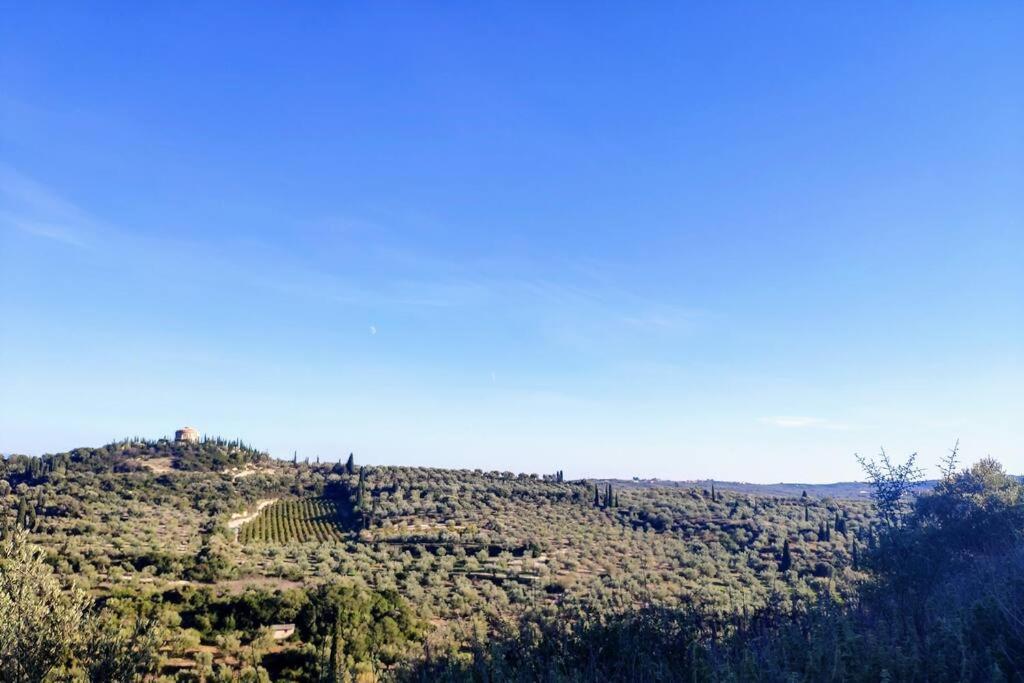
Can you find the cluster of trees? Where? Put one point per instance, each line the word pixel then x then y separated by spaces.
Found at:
pixel 945 601
pixel 608 500
pixel 104 515
pixel 211 454
pixel 50 628
pixel 308 519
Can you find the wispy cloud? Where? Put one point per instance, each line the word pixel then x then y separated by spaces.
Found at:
pixel 371 266
pixel 351 291
pixel 665 319
pixel 802 422
pixel 51 231
pixel 33 208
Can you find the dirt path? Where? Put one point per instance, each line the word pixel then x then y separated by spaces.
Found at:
pixel 238 519
pixel 246 472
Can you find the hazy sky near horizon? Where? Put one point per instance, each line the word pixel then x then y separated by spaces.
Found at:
pixel 741 242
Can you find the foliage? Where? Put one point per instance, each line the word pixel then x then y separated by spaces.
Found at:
pixel 40 619
pixel 48 627
pixel 355 629
pixel 118 650
pixel 314 519
pixel 891 484
pixel 953 613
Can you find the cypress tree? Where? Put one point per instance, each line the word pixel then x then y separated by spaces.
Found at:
pixel 350 465
pixel 373 514
pixel 336 661
pixel 19 523
pixel 787 559
pixel 597 497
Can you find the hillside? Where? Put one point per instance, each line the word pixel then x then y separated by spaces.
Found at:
pixel 220 542
pixel 463 549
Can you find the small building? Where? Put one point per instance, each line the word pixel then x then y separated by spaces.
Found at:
pixel 187 435
pixel 282 631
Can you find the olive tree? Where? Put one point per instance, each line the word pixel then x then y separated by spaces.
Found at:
pixel 41 620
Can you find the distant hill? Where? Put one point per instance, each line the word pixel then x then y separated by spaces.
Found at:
pixel 842 490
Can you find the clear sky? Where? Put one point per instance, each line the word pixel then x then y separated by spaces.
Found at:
pixel 730 240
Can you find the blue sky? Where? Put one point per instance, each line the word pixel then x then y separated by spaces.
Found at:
pixel 741 242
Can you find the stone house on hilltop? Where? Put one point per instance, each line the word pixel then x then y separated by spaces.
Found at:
pixel 187 435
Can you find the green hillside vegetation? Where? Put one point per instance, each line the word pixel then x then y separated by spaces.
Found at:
pixel 943 601
pixel 302 520
pixel 424 574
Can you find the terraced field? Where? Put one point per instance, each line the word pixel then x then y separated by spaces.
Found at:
pixel 300 520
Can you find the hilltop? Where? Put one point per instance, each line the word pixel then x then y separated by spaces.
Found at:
pixel 214 454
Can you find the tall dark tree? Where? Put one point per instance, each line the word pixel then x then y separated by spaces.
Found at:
pixel 21 521
pixel 350 464
pixel 786 561
pixel 336 657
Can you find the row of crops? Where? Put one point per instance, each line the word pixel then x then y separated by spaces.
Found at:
pixel 295 521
